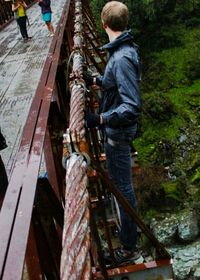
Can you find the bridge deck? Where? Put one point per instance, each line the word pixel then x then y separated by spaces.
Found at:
pixel 21 65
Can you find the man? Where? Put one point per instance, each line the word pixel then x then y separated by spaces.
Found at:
pixel 120 107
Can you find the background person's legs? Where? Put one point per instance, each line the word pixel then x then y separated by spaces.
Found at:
pixel 22 26
pixel 50 27
pixel 47 19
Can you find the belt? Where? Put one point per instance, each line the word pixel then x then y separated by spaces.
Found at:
pixel 117 143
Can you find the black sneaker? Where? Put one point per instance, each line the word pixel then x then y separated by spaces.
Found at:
pixel 128 256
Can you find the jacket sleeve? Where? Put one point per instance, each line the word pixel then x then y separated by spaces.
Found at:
pixel 125 71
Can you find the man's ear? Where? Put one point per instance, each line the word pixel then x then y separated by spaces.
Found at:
pixel 104 25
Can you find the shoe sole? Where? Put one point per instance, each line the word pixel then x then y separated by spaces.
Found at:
pixel 139 260
pixel 133 261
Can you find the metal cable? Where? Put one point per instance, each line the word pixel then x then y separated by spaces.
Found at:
pixel 75 258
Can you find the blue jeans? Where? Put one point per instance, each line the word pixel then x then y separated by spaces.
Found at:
pixel 118 161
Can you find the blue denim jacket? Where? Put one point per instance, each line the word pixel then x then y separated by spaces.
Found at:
pixel 120 104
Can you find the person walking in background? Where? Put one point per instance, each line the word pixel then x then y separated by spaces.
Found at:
pixel 46 14
pixel 19 9
pixel 120 107
pixel 3 175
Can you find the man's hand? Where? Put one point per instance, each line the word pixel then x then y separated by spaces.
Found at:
pixel 92 120
pixel 87 78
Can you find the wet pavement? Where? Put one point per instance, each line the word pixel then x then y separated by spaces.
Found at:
pixel 21 65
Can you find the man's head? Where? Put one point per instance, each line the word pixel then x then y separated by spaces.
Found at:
pixel 115 16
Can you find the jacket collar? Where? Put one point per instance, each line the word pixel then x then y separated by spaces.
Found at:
pixel 124 37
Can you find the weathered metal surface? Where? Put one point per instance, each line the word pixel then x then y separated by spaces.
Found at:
pixel 32 259
pixel 45 216
pixel 51 168
pixel 161 270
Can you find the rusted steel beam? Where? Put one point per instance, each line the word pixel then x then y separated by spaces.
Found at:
pixel 49 268
pixel 92 42
pixel 18 241
pixel 101 206
pixel 51 168
pixel 32 263
pixel 50 203
pixel 70 29
pixel 47 214
pixel 124 270
pixel 99 246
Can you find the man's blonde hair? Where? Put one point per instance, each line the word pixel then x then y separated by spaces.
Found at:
pixel 115 15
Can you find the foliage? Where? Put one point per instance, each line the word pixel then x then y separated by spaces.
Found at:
pixel 174 192
pixel 96 6
pixel 148 186
pixel 192 71
pixel 158 106
pixel 195 176
pixel 168 34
